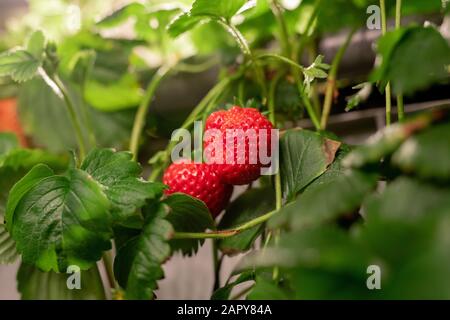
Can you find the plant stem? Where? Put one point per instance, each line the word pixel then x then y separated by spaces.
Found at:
pixel 245 48
pixel 308 105
pixel 332 77
pixel 56 83
pixel 305 99
pixel 139 121
pixel 272 91
pixel 388 86
pixel 196 68
pixel 309 25
pixel 398 22
pixel 225 233
pixel 217 265
pixel 284 34
pixel 108 263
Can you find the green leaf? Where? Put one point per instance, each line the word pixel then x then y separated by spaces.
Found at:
pixel 59 221
pixel 388 140
pixel 120 16
pixel 188 214
pixel 426 154
pixel 36 44
pixel 8 142
pixel 409 215
pixel 183 23
pixel 138 263
pixel 82 65
pixel 395 202
pixel 18 191
pixel 327 248
pixel 250 205
pixel 424 44
pixel 13 166
pixel 220 8
pixel 45 119
pixel 120 177
pixel 266 289
pixel 34 284
pixel 305 155
pixel 19 64
pixel 122 94
pixel 204 9
pixel 326 200
pixel 224 292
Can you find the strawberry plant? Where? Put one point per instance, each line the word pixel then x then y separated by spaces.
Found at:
pixel 85 177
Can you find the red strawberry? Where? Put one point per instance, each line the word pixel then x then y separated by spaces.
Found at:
pixel 199 181
pixel 238 172
pixel 9 119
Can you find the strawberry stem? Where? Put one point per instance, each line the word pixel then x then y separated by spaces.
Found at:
pixel 221 234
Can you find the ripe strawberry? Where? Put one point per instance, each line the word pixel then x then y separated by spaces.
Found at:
pixel 9 120
pixel 199 181
pixel 238 118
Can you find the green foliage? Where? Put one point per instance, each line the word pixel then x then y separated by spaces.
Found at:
pixel 123 94
pixel 22 64
pixel 8 141
pixel 248 206
pixel 45 118
pixel 385 142
pixel 187 214
pixel 305 155
pixel 326 200
pixel 427 154
pixel 335 220
pixel 224 292
pixel 14 164
pixel 67 217
pixel 138 263
pixel 120 177
pixel 403 232
pixel 396 50
pixel 267 289
pixel 34 284
pixel 204 10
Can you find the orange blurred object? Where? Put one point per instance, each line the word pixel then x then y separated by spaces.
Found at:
pixel 9 119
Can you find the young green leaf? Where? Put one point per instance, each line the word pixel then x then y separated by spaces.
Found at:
pixel 36 44
pixel 305 155
pixel 34 284
pixel 120 177
pixel 188 214
pixel 20 65
pixel 248 206
pixel 138 263
pixel 59 221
